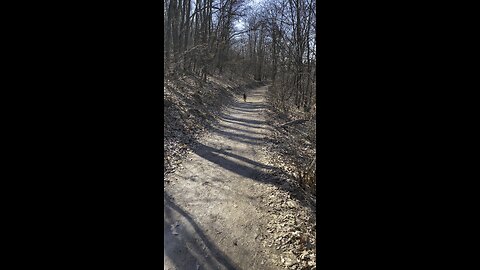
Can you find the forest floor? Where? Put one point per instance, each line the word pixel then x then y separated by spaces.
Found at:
pixel 224 208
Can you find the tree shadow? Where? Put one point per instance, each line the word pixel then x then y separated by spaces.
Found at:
pixel 240 123
pixel 238 137
pixel 243 120
pixel 253 172
pixel 189 248
pixel 238 129
pixel 246 110
pixel 211 153
pixel 249 106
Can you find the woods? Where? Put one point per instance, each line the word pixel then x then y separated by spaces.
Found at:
pixel 197 36
pixel 240 134
pixel 270 41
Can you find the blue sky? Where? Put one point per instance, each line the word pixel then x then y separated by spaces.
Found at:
pixel 251 3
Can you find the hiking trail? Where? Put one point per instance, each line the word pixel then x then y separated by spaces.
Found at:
pixel 216 209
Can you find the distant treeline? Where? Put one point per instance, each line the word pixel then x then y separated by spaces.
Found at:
pixel 273 40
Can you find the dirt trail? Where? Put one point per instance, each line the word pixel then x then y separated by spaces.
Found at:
pixel 214 215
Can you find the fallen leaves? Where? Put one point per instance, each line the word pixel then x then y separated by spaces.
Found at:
pixel 292 151
pixel 291 229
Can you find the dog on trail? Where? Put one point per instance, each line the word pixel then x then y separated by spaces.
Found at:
pixel 244 97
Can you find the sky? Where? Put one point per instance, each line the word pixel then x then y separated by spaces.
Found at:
pixel 254 2
pixel 239 25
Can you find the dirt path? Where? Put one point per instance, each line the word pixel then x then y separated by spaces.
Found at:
pixel 215 214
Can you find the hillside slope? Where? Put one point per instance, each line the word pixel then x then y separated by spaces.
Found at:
pixel 190 108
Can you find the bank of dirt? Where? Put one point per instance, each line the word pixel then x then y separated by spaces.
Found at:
pixel 190 107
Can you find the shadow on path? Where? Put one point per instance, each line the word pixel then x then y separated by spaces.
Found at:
pixel 240 123
pixel 238 137
pixel 243 120
pixel 254 172
pixel 212 154
pixel 184 250
pixel 239 129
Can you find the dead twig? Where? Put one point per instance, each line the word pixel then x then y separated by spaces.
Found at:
pixel 294 122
